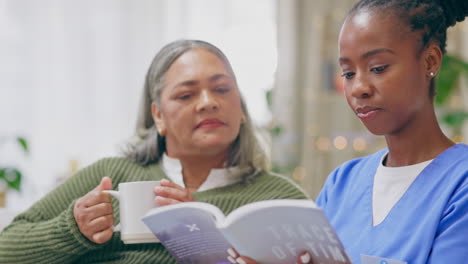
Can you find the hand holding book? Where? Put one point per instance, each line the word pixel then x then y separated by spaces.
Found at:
pixel 274 232
pixel 235 258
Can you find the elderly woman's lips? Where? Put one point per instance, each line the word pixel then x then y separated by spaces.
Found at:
pixel 210 123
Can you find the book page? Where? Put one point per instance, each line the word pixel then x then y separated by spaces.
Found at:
pixel 279 234
pixel 250 208
pixel 190 235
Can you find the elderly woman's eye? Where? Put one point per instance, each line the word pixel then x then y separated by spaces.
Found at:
pixel 222 89
pixel 184 97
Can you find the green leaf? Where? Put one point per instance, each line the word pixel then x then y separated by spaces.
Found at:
pixel 276 131
pixel 24 143
pixel 455 118
pixel 446 81
pixel 13 178
pixel 268 95
pixel 447 78
pixel 463 65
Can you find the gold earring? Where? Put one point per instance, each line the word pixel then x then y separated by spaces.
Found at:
pixel 432 74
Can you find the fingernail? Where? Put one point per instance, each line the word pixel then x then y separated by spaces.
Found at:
pixel 305 258
pixel 232 260
pixel 164 181
pixel 231 252
pixel 240 261
pixel 159 199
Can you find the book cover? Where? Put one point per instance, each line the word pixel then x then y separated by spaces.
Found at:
pixel 274 232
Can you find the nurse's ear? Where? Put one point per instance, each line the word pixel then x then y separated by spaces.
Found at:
pixel 432 60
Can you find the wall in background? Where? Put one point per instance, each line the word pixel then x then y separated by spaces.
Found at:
pixel 72 72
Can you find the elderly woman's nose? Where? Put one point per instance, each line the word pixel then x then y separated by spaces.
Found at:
pixel 207 101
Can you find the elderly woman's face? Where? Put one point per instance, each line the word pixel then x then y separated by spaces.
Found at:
pixel 200 109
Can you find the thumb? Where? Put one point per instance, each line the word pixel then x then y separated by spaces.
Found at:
pixel 106 184
pixel 304 258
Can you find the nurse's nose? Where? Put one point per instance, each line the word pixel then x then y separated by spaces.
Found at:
pixel 361 87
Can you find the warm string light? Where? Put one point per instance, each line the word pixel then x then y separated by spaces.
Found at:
pixel 359 144
pixel 323 143
pixel 458 138
pixel 299 174
pixel 340 142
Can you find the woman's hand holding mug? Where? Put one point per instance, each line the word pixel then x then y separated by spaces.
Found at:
pixel 93 213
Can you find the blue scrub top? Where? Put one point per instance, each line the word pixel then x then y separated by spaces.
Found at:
pixel 429 224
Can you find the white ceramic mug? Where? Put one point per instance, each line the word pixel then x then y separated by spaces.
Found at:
pixel 135 199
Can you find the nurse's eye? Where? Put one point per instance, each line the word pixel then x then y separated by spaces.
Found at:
pixel 379 69
pixel 348 75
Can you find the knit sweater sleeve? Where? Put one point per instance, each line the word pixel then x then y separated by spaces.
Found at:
pixel 282 187
pixel 47 232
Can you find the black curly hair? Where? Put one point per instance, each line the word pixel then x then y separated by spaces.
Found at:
pixel 429 17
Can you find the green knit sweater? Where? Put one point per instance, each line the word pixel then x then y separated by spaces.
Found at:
pixel 47 232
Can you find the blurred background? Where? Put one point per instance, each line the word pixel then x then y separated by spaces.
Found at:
pixel 71 76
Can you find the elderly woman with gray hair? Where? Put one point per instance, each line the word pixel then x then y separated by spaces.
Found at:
pixel 194 134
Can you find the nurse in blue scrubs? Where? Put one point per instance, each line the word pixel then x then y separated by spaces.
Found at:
pixel 409 202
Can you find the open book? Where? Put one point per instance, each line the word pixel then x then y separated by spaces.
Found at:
pixel 273 232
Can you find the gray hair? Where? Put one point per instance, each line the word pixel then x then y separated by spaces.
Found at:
pixel 148 146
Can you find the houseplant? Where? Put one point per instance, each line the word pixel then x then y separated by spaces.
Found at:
pixel 452 69
pixel 10 176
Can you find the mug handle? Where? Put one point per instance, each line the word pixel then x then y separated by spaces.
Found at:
pixel 116 195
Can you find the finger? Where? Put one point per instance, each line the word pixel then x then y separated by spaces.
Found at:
pixel 231 260
pixel 234 257
pixel 233 253
pixel 162 201
pixel 245 260
pixel 106 184
pixel 83 216
pixel 98 210
pixel 173 193
pixel 104 236
pixel 95 197
pixel 168 183
pixel 304 258
pixel 100 224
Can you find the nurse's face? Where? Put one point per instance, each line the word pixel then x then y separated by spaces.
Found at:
pixel 386 80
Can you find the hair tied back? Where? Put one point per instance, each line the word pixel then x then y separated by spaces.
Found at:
pixel 454 10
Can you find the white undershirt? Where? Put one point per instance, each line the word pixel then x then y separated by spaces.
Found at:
pixel 390 183
pixel 217 177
